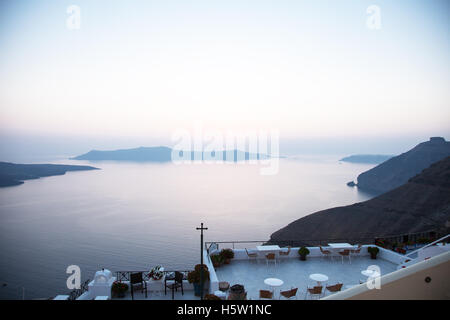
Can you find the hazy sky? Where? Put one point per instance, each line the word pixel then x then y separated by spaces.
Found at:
pixel 141 69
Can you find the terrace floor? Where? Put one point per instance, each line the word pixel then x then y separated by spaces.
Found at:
pixel 295 273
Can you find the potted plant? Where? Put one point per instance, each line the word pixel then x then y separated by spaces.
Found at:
pixel 119 289
pixel 217 260
pixel 156 273
pixel 227 255
pixel 303 252
pixel 373 252
pixel 200 271
pixel 209 296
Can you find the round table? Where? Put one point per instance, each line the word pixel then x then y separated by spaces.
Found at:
pixel 273 283
pixel 370 273
pixel 318 277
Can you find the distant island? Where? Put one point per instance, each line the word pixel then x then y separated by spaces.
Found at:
pixel 367 158
pixel 12 174
pixel 162 154
pixel 420 205
pixel 398 170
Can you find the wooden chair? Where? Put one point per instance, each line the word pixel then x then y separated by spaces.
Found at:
pixel 335 288
pixel 289 294
pixel 356 251
pixel 345 253
pixel 315 291
pixel 325 253
pixel 271 257
pixel 136 279
pixel 251 255
pixel 177 283
pixel 265 294
pixel 286 253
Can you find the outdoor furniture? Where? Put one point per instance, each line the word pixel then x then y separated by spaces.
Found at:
pixel 267 249
pixel 335 288
pixel 356 251
pixel 224 286
pixel 289 294
pixel 285 253
pixel 314 292
pixel 237 292
pixel 345 253
pixel 273 283
pixel 370 273
pixel 265 294
pixel 136 279
pixel 253 255
pixel 271 257
pixel 177 283
pixel 325 253
pixel 319 278
pixel 222 295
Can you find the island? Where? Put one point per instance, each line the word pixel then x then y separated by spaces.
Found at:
pixel 398 170
pixel 164 154
pixel 12 174
pixel 367 158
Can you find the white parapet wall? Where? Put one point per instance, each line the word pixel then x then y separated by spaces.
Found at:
pixel 428 279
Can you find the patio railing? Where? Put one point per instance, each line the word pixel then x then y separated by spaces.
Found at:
pixel 125 275
pixel 235 244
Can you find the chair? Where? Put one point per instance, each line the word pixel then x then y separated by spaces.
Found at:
pixel 135 280
pixel 271 257
pixel 315 291
pixel 356 251
pixel 345 253
pixel 325 253
pixel 288 294
pixel 285 253
pixel 335 288
pixel 253 255
pixel 265 294
pixel 177 283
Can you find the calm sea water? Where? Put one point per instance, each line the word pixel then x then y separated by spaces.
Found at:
pixel 133 216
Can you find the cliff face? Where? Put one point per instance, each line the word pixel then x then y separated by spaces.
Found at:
pixel 398 170
pixel 422 204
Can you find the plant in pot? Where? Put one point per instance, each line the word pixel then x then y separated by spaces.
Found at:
pixel 217 260
pixel 209 296
pixel 373 252
pixel 119 288
pixel 194 277
pixel 227 255
pixel 156 273
pixel 303 252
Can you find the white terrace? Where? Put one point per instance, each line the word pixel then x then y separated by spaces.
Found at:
pixel 424 274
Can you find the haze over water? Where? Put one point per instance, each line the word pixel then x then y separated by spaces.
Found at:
pixel 133 216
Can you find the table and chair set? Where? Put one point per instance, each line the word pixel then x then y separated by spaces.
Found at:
pixel 345 250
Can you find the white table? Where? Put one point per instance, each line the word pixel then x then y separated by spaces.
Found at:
pixel 268 248
pixel 370 273
pixel 341 246
pixel 273 283
pixel 318 277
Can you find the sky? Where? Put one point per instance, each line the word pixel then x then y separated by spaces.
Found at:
pixel 136 71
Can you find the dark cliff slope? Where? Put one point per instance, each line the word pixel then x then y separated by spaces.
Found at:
pixel 422 204
pixel 398 170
